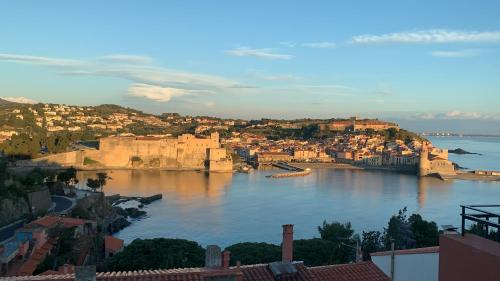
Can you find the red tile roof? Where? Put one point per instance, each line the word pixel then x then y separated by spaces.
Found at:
pixel 362 271
pixel 261 272
pixel 112 243
pixel 50 221
pixel 426 250
pixel 72 222
pixel 36 258
pixel 46 221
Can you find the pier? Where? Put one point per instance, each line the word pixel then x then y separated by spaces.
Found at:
pixel 117 198
pixel 294 171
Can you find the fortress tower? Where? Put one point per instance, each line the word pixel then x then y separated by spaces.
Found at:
pixel 424 165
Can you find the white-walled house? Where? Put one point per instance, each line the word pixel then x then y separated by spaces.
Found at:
pixel 410 265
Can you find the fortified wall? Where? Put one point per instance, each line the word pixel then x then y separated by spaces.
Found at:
pixel 185 152
pixel 434 161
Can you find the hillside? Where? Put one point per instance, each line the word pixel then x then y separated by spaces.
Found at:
pixel 6 103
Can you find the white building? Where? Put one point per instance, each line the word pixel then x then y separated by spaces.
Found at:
pixel 410 265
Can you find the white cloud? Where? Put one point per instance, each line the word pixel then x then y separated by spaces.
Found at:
pixel 210 104
pixel 127 59
pixel 425 116
pixel 258 53
pixel 156 93
pixel 320 45
pixel 430 36
pixel 46 61
pixel 274 77
pixel 457 115
pixel 20 100
pixel 457 54
pixel 164 84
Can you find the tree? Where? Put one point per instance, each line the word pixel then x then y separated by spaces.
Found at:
pixel 336 231
pixel 426 233
pixel 399 231
pixel 392 133
pixel 98 183
pixel 315 252
pixel 158 253
pixel 102 178
pixel 342 235
pixel 371 242
pixel 480 230
pixel 254 253
pixel 93 184
pixel 68 176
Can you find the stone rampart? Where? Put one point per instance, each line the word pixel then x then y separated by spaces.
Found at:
pixel 184 152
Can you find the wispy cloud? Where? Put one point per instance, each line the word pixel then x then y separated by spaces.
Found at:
pixel 429 36
pixel 156 93
pixel 45 61
pixel 288 44
pixel 127 59
pixel 265 53
pixel 320 45
pixel 275 77
pixel 148 81
pixel 20 100
pixel 457 53
pixel 456 115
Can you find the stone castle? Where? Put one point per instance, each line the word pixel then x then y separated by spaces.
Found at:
pixel 434 161
pixel 186 152
pixel 357 124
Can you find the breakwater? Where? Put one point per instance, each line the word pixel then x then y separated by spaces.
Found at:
pixel 291 174
pixel 295 171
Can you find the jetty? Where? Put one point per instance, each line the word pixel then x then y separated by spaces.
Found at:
pixel 117 198
pixel 294 171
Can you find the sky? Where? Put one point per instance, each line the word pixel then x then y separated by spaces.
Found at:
pixel 432 65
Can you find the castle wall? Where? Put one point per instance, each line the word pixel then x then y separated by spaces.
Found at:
pixel 438 165
pixel 72 158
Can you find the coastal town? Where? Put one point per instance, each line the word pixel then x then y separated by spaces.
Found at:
pixel 354 141
pixel 70 138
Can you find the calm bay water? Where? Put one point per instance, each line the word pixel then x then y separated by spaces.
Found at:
pixel 221 208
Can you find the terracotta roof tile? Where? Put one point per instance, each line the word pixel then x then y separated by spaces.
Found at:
pixel 363 271
pixel 46 221
pixel 112 243
pixel 35 259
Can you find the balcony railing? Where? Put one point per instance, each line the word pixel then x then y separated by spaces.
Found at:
pixel 480 215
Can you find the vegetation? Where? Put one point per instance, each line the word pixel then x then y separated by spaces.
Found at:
pixel 336 245
pixel 253 253
pixel 158 253
pixel 401 134
pixel 98 183
pixel 480 230
pixel 406 233
pixel 87 161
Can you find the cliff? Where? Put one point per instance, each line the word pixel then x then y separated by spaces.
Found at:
pixel 14 208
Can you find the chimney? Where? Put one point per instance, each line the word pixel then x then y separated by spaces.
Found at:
pixel 226 256
pixel 212 256
pixel 287 247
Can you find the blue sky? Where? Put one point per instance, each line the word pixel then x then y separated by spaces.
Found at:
pixel 416 61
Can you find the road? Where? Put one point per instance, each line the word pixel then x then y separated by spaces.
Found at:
pixel 63 204
pixel 8 231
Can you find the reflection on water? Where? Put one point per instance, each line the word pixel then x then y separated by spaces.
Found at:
pixel 222 208
pixel 185 186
